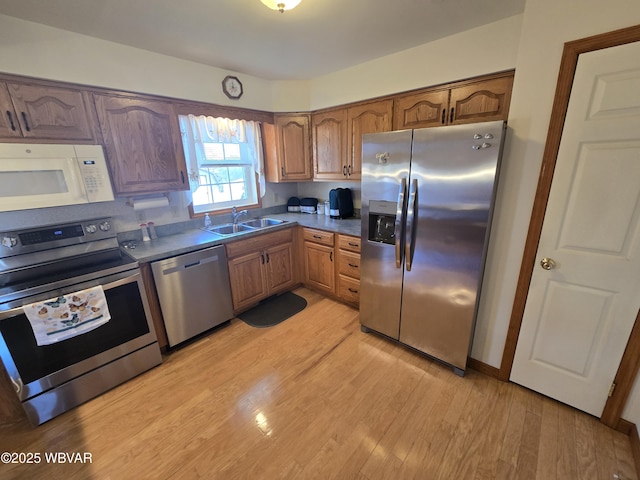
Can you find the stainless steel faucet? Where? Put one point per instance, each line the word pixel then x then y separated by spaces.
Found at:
pixel 235 214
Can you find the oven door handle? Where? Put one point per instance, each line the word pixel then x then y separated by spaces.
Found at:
pixel 107 286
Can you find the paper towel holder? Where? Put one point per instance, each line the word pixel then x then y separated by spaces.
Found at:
pixel 148 201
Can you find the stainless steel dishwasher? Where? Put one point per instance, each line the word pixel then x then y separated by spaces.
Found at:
pixel 194 292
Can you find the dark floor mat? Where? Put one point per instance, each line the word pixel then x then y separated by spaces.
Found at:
pixel 274 310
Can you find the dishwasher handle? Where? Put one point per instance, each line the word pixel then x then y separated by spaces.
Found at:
pixel 197 263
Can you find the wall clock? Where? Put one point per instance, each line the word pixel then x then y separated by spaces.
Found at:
pixel 232 87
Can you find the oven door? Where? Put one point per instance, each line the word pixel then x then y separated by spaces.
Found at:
pixel 35 369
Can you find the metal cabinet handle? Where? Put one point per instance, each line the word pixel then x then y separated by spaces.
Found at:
pixel 331 256
pixel 352 244
pixel 353 291
pixel 282 170
pixel 400 222
pixel 349 170
pixel 10 117
pixel 547 263
pixel 262 256
pixel 344 170
pixel 267 257
pixel 182 176
pixel 25 121
pixel 352 265
pixel 444 112
pixel 451 115
pixel 317 236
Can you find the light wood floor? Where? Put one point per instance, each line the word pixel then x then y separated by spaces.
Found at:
pixel 314 397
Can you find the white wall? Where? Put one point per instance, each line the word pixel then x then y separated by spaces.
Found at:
pixel 31 49
pixel 487 49
pixel 547 25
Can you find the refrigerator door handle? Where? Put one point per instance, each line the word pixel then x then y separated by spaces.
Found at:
pixel 400 222
pixel 413 191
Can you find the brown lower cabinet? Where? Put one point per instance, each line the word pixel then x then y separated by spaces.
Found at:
pixel 348 269
pixel 318 260
pixel 332 264
pixel 261 266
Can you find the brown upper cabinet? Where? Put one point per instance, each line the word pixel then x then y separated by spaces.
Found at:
pixel 477 101
pixel 421 110
pixel 371 117
pixel 43 112
pixel 330 151
pixel 337 138
pixel 287 150
pixel 143 144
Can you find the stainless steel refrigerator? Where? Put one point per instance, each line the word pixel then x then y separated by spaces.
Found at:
pixel 427 201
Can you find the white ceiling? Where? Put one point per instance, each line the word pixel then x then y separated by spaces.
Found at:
pixel 316 38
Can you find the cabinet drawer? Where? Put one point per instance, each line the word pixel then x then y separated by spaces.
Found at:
pixel 259 242
pixel 349 289
pixel 318 236
pixel 346 242
pixel 349 264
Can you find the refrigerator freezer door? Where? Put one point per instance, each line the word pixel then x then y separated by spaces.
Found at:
pixel 455 169
pixel 385 165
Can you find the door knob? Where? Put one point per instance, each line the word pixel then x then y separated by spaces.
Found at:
pixel 547 263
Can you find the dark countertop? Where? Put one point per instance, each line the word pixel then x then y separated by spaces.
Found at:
pixel 196 239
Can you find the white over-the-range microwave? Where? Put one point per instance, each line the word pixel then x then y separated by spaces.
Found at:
pixel 39 175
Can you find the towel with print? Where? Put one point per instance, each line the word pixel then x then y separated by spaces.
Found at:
pixel 69 315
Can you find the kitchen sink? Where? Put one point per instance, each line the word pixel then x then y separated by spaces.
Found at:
pixel 230 229
pixel 262 222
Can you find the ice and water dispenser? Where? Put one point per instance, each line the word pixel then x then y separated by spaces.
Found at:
pixel 382 221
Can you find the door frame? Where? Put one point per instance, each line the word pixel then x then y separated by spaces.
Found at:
pixel 630 363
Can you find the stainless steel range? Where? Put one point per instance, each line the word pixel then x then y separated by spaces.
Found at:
pixel 48 265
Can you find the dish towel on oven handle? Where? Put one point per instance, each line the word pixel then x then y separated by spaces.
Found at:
pixel 67 316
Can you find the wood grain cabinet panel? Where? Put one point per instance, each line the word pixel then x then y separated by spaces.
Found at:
pixel 248 281
pixel 260 266
pixel 481 101
pixel 319 260
pixel 45 112
pixel 330 152
pixel 279 267
pixel 287 148
pixel 348 273
pixel 367 118
pixel 143 144
pixel 421 110
pixel 319 267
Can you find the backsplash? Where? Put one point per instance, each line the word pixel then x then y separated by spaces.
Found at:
pixel 175 217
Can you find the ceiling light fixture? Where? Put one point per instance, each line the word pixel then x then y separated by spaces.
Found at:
pixel 281 5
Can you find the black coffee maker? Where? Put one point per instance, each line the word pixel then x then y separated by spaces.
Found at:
pixel 340 203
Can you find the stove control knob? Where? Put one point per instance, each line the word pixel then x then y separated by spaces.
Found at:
pixel 91 228
pixel 9 242
pixel 105 226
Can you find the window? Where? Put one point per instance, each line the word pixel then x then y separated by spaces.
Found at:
pixel 224 158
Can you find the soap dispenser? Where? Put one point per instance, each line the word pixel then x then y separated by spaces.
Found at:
pixel 207 220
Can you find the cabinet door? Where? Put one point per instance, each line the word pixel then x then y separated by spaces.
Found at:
pixel 421 110
pixel 9 125
pixel 51 112
pixel 329 132
pixel 279 266
pixel 319 270
pixel 481 102
pixel 368 118
pixel 293 147
pixel 247 277
pixel 143 144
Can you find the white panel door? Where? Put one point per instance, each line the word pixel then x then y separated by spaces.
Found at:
pixel 580 312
